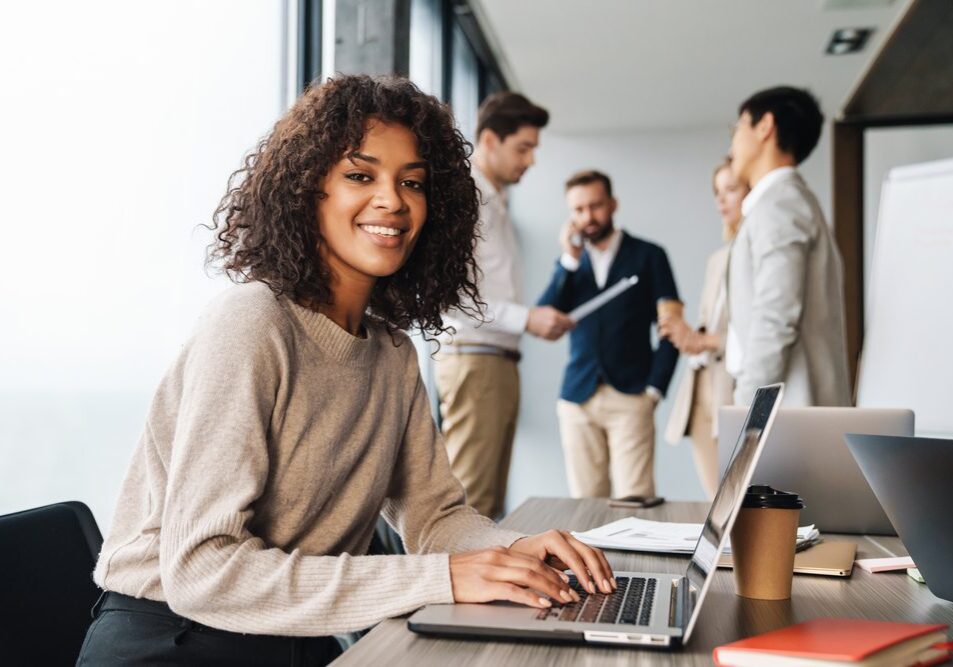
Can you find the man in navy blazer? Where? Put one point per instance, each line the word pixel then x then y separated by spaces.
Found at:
pixel 614 378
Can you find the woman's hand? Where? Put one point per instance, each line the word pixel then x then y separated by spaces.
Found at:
pixel 563 551
pixel 504 574
pixel 686 339
pixel 674 328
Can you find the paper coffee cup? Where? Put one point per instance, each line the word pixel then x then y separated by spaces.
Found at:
pixel 763 542
pixel 670 308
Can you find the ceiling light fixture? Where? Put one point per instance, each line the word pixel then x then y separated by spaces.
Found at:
pixel 848 40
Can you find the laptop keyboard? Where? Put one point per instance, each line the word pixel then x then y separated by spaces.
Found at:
pixel 631 603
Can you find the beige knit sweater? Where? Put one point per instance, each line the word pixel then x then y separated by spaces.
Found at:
pixel 272 445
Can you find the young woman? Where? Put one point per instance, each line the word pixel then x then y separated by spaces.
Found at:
pixel 295 415
pixel 706 384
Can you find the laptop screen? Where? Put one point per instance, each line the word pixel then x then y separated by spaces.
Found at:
pixel 730 494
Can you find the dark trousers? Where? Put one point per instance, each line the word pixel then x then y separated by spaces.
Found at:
pixel 132 631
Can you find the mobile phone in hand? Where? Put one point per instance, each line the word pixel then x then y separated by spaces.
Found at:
pixel 636 501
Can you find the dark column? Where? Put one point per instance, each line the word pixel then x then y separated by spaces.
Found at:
pixel 849 229
pixel 373 37
pixel 309 42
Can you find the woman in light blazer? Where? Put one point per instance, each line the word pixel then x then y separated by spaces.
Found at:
pixel 706 384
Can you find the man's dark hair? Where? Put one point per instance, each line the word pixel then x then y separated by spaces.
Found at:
pixel 797 117
pixel 589 176
pixel 505 113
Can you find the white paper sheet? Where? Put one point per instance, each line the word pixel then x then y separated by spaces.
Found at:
pixel 634 534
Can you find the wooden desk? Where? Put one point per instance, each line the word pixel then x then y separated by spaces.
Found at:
pixel 724 617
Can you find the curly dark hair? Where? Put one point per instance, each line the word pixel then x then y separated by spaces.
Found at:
pixel 266 225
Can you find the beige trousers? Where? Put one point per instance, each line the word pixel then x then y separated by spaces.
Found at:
pixel 479 402
pixel 704 444
pixel 609 444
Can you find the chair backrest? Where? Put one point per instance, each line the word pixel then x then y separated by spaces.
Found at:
pixel 47 556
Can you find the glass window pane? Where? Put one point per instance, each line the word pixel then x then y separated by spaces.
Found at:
pixel 122 121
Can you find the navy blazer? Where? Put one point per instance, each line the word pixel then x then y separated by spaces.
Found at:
pixel 614 345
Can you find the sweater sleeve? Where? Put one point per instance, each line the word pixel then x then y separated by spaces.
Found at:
pixel 213 569
pixel 426 504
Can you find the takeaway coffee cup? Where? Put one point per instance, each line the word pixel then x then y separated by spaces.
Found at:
pixel 763 541
pixel 669 307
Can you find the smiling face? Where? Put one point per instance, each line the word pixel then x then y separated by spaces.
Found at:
pixel 374 205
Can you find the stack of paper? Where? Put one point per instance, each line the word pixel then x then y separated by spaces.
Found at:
pixel 634 534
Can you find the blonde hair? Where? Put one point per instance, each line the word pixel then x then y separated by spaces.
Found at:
pixel 728 231
pixel 724 164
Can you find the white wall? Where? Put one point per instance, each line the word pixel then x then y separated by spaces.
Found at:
pixel 662 180
pixel 121 122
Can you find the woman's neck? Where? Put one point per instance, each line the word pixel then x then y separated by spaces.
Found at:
pixel 350 295
pixel 345 312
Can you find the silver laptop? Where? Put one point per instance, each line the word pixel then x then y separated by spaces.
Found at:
pixel 647 609
pixel 806 454
pixel 911 477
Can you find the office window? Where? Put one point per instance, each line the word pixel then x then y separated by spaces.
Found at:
pixel 121 123
pixel 465 83
pixel 427 45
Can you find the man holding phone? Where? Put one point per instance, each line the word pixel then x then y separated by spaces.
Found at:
pixel 614 378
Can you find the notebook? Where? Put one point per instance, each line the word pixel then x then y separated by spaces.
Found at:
pixel 831 559
pixel 838 642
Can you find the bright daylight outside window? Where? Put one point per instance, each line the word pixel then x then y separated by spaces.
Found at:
pixel 121 122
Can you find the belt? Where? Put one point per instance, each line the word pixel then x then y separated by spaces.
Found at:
pixel 512 355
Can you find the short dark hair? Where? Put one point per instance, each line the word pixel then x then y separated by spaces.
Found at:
pixel 797 117
pixel 589 176
pixel 505 113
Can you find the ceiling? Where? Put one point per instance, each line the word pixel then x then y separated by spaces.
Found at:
pixel 608 65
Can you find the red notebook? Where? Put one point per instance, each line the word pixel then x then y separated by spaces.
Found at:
pixel 840 641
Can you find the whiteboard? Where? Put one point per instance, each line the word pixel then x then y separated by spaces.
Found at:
pixel 907 360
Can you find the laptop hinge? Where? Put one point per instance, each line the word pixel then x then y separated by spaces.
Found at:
pixel 678 603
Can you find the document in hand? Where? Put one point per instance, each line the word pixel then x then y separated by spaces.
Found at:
pixel 634 534
pixel 840 641
pixel 598 301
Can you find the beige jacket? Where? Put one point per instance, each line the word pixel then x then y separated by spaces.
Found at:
pixel 722 382
pixel 786 300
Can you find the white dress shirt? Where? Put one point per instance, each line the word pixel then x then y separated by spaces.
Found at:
pixel 601 260
pixel 500 281
pixel 734 350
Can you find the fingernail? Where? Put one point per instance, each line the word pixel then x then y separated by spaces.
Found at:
pixel 605 585
pixel 592 586
pixel 575 596
pixel 565 577
pixel 545 602
pixel 565 596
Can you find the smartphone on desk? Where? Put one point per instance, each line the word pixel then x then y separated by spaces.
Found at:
pixel 636 501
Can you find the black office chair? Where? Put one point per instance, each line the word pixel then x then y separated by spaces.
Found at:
pixel 47 557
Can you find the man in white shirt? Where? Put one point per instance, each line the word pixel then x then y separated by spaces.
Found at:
pixel 475 371
pixel 786 318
